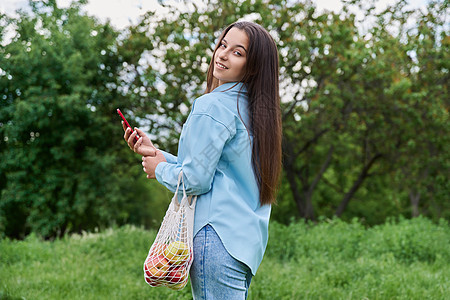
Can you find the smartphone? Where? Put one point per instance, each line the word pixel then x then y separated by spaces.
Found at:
pixel 136 138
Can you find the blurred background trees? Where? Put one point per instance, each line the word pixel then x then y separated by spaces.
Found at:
pixel 364 96
pixel 64 166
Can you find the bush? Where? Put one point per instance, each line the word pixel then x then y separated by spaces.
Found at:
pixel 404 259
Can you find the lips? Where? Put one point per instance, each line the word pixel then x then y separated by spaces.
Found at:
pixel 221 66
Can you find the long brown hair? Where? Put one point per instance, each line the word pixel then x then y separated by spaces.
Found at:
pixel 261 80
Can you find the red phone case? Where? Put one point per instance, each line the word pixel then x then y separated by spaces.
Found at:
pixel 136 138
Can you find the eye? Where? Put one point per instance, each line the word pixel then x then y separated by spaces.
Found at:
pixel 222 45
pixel 238 53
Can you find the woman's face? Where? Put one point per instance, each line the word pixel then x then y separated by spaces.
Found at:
pixel 231 57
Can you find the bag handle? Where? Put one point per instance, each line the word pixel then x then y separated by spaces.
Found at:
pixel 175 196
pixel 191 200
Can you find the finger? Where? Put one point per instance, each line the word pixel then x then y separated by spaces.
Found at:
pixel 131 138
pixel 140 132
pixel 138 143
pixel 154 151
pixel 127 134
pixel 124 126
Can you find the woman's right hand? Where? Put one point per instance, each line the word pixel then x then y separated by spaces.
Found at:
pixel 143 145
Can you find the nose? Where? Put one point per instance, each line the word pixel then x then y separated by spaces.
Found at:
pixel 223 55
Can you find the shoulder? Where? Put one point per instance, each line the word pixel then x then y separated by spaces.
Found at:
pixel 204 103
pixel 213 106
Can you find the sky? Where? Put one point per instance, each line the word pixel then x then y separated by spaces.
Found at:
pixel 122 13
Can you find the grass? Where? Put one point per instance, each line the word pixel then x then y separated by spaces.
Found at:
pixel 408 259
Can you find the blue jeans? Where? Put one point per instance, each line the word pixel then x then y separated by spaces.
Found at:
pixel 215 274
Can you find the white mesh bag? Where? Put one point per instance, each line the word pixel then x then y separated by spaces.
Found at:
pixel 170 257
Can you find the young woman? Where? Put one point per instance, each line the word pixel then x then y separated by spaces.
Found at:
pixel 230 154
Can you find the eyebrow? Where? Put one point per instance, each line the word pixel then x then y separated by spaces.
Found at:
pixel 224 40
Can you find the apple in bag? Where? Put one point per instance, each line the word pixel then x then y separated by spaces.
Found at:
pixel 178 286
pixel 177 253
pixel 156 267
pixel 158 249
pixel 177 275
pixel 152 282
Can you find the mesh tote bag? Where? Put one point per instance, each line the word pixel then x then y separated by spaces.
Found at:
pixel 171 254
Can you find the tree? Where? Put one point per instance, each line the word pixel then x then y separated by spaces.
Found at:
pixel 344 91
pixel 63 166
pixel 423 167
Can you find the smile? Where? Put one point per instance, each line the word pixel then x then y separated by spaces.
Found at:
pixel 220 66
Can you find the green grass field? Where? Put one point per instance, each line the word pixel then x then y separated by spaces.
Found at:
pixel 408 259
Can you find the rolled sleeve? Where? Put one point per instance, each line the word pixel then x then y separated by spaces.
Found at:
pixel 169 157
pixel 163 173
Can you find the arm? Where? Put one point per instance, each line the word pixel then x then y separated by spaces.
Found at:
pixel 200 148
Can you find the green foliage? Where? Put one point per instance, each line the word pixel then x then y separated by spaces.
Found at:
pixel 337 260
pixel 354 93
pixel 404 259
pixel 64 166
pixel 104 265
pixel 362 123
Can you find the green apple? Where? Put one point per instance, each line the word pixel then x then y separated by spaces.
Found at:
pixel 177 253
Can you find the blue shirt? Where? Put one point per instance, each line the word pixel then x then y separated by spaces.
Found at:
pixel 214 152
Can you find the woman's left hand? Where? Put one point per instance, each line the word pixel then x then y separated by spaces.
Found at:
pixel 149 163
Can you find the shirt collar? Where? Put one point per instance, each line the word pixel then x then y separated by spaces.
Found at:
pixel 231 86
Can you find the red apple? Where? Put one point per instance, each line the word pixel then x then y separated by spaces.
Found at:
pixel 156 267
pixel 151 282
pixel 176 275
